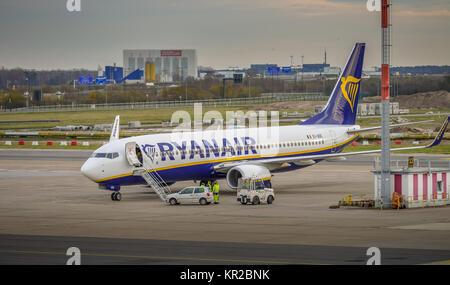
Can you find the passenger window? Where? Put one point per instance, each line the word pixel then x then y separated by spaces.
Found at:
pixel 187 191
pixel 199 190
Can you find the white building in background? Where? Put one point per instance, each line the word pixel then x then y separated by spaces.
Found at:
pixel 371 109
pixel 170 65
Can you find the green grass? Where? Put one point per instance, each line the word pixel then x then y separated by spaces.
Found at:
pixel 148 116
pixel 56 146
pixel 440 149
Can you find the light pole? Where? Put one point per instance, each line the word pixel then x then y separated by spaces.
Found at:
pixel 185 88
pixel 249 94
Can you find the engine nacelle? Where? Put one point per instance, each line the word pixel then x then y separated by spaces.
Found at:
pixel 246 171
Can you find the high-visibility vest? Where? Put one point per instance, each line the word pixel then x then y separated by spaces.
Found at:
pixel 216 189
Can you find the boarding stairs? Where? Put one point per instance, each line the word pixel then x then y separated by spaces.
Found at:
pixel 150 175
pixel 154 180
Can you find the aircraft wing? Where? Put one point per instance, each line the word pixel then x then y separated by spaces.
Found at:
pixel 391 126
pixel 310 159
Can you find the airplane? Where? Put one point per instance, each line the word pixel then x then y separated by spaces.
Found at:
pixel 231 154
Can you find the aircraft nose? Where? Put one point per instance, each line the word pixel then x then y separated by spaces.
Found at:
pixel 90 169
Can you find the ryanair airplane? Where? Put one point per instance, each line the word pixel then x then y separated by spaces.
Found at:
pixel 160 160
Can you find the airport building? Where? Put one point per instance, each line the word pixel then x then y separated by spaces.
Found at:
pixel 167 65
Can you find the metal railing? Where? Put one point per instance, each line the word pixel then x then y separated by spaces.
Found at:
pixel 276 97
pixel 435 200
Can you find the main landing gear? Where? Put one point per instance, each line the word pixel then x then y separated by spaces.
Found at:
pixel 116 196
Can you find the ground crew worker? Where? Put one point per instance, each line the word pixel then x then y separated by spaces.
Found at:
pixel 216 192
pixel 210 186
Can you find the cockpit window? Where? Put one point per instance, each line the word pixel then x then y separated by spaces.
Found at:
pixel 110 155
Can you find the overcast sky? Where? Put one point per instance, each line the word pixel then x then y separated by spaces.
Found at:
pixel 42 34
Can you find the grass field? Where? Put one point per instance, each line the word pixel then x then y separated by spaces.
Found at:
pixel 149 116
pixel 56 146
pixel 440 149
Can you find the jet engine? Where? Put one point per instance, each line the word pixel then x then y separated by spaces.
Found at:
pixel 246 171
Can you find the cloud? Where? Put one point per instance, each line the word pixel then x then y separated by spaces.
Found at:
pixel 434 13
pixel 304 7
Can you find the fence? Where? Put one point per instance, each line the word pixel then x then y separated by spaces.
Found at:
pixel 276 97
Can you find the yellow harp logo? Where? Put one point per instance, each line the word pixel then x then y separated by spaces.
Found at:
pixel 349 88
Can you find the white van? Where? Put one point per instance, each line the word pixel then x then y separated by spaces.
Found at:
pixel 254 191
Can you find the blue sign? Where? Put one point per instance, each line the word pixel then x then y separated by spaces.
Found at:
pixel 287 70
pixel 100 80
pixel 273 70
pixel 83 80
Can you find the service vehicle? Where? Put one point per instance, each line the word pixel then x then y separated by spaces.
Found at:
pixel 254 191
pixel 191 195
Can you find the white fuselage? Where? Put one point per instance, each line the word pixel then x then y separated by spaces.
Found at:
pixel 192 155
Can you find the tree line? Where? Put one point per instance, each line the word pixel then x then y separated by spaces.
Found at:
pixel 207 88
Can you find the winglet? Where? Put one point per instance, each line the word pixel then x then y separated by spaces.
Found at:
pixel 115 129
pixel 440 134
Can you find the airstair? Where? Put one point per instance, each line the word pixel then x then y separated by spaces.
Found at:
pixel 153 179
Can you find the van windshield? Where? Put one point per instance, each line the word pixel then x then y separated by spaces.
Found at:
pixel 259 184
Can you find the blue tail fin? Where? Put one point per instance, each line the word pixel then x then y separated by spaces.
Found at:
pixel 343 103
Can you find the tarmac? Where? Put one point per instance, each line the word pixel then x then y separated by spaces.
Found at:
pixel 47 206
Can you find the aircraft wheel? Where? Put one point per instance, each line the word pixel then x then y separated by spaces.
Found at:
pixel 116 196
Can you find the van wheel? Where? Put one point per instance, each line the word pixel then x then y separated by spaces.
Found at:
pixel 255 200
pixel 173 201
pixel 203 201
pixel 270 199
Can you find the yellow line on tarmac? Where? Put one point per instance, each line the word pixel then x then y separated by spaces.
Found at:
pixel 162 257
pixel 444 262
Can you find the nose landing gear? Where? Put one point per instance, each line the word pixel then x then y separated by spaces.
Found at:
pixel 116 196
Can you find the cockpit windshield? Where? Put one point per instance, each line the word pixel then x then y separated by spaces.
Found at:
pixel 110 155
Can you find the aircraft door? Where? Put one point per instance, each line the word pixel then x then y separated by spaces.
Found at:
pixel 134 154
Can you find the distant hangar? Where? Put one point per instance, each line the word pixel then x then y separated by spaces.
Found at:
pixel 169 65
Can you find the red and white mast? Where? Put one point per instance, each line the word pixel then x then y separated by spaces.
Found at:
pixel 385 104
